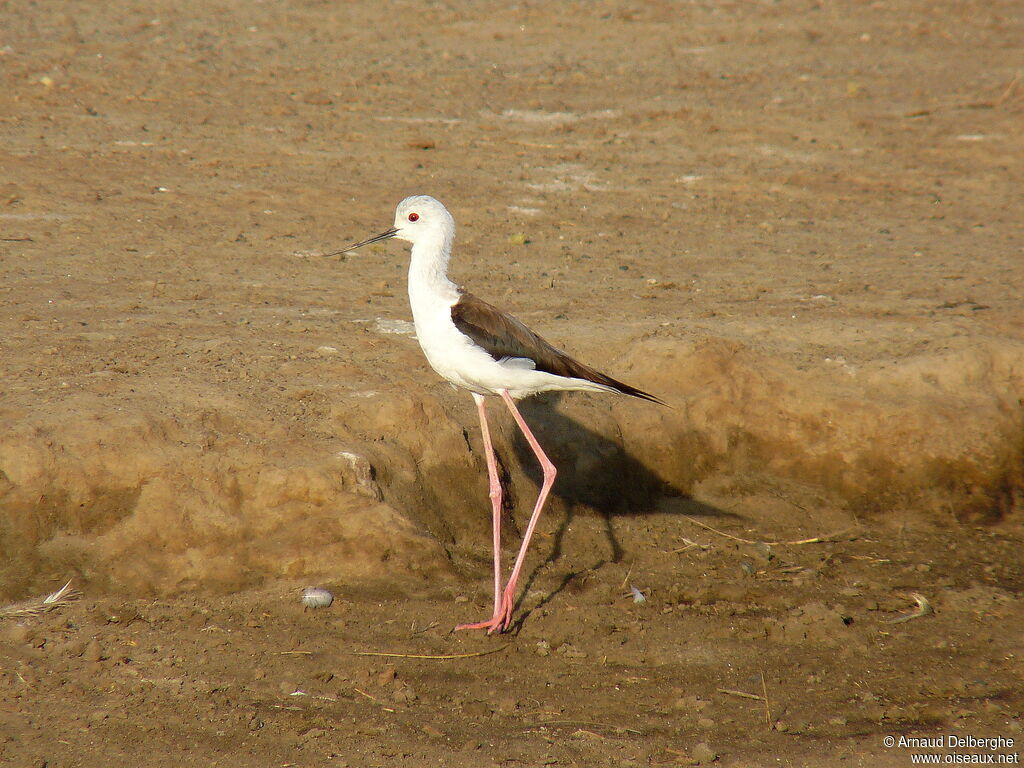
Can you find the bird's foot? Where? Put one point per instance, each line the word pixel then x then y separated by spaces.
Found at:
pixel 500 621
pixel 492 624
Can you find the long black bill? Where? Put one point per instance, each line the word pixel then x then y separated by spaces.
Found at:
pixel 376 238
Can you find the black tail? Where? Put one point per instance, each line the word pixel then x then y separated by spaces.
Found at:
pixel 624 389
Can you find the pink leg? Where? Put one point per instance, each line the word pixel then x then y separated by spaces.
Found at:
pixel 508 598
pixel 495 495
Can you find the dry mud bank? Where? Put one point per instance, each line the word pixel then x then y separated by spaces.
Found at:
pixel 797 223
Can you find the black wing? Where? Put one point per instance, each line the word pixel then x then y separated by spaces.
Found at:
pixel 502 336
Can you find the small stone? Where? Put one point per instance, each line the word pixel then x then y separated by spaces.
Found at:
pixel 92 651
pixel 404 695
pixel 387 677
pixel 17 634
pixel 316 597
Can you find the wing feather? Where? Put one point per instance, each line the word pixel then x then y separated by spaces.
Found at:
pixel 504 337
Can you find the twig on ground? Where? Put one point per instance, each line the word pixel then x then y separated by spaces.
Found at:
pixel 1006 93
pixel 625 579
pixel 607 726
pixel 374 699
pixel 923 609
pixel 689 544
pixel 778 494
pixel 429 655
pixel 767 706
pixel 741 694
pixel 813 540
pixel 413 631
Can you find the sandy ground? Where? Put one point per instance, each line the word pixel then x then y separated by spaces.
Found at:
pixel 798 223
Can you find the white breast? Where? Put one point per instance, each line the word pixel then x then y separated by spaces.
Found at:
pixel 454 355
pixel 449 352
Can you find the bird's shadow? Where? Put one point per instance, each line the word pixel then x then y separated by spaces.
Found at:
pixel 595 472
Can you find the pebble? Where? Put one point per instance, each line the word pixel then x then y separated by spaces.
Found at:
pixel 316 597
pixel 16 634
pixel 92 651
pixel 404 695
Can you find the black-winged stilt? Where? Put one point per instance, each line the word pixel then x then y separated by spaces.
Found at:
pixel 478 347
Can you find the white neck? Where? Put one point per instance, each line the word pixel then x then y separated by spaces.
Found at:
pixel 428 273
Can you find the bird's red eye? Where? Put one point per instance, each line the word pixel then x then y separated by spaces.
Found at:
pixel 414 217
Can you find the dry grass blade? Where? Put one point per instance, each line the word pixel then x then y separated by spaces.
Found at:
pixel 36 606
pixel 591 724
pixel 689 544
pixel 429 655
pixel 923 609
pixel 625 579
pixel 741 694
pixel 720 533
pixel 767 706
pixel 813 540
pixel 374 699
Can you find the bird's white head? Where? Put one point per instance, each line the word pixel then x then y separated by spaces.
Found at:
pixel 421 219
